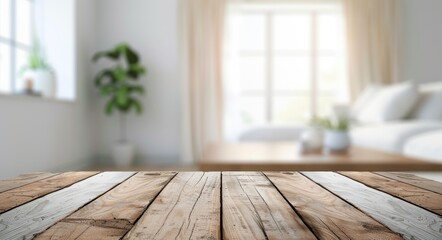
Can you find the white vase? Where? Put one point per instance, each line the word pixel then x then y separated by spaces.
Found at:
pixel 335 140
pixel 43 80
pixel 312 138
pixel 123 154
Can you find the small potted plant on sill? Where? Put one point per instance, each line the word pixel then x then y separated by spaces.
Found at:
pixel 38 73
pixel 120 85
pixel 336 137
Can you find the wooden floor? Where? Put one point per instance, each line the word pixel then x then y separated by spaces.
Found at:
pixel 220 205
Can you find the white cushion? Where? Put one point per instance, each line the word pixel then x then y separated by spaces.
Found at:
pixel 426 145
pixel 389 103
pixel 429 106
pixel 392 136
pixel 363 100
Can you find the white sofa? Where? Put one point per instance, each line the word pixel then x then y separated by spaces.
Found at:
pixel 418 135
pixel 426 145
pixel 408 136
pixel 392 137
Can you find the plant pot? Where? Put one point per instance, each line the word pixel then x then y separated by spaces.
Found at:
pixel 123 154
pixel 336 140
pixel 44 82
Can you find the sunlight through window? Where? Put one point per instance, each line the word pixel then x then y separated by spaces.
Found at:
pixel 286 64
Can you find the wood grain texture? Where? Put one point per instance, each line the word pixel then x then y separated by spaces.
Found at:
pixel 254 209
pixel 411 179
pixel 29 192
pixel 114 213
pixel 411 221
pixel 328 216
pixel 85 231
pixel 22 180
pixel 427 199
pixel 34 217
pixel 187 208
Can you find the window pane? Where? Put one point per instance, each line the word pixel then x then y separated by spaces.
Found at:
pixel 21 58
pixel 330 34
pixel 331 84
pixel 5 68
pixel 5 18
pixel 252 73
pixel 290 110
pixel 252 110
pixel 252 31
pixel 23 21
pixel 325 103
pixel 328 73
pixel 292 32
pixel 291 73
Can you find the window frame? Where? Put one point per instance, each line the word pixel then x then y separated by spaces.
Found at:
pixel 314 53
pixel 13 44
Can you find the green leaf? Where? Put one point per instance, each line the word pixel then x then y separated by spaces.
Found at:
pixel 122 97
pixel 119 74
pixel 106 90
pixel 136 70
pixel 111 104
pixel 103 75
pixel 135 104
pixel 131 56
pixel 109 54
pixel 136 89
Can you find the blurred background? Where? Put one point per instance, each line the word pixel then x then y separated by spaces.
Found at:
pixel 174 76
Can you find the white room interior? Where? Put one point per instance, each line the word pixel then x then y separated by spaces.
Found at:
pixel 58 135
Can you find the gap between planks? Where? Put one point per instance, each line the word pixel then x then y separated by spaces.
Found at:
pixel 420 197
pixel 187 208
pixel 254 209
pixel 327 215
pixel 25 221
pixel 23 180
pixel 407 219
pixel 29 192
pixel 114 213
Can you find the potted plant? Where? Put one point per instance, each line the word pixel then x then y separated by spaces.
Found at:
pixel 39 72
pixel 336 137
pixel 120 85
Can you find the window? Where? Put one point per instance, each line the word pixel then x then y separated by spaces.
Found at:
pixel 287 64
pixel 15 41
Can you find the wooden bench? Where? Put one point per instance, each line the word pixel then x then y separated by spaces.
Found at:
pixel 220 205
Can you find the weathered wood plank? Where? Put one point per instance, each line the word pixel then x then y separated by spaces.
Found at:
pixel 114 213
pixel 411 221
pixel 414 180
pixel 427 199
pixel 84 231
pixel 328 216
pixel 187 208
pixel 29 192
pixel 34 217
pixel 254 209
pixel 22 180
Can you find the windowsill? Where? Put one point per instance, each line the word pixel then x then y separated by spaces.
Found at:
pixel 34 98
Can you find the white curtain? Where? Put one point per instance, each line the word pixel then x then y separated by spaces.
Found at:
pixel 373 40
pixel 201 36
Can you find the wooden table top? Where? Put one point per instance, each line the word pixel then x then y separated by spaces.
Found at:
pixel 287 157
pixel 220 205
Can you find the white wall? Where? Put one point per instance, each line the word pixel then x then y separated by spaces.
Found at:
pixel 56 32
pixel 150 26
pixel 46 135
pixel 423 40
